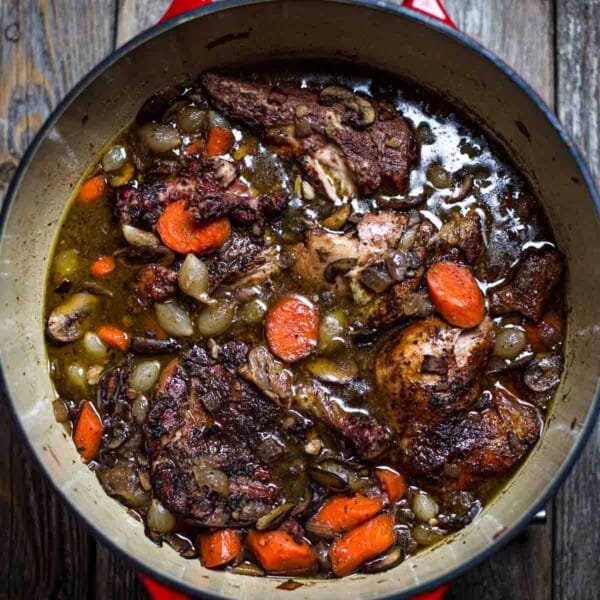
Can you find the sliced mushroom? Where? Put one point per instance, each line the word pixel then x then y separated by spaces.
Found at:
pixel 363 111
pixel 275 517
pixel 543 374
pixel 148 345
pixel 330 481
pixel 333 371
pixel 376 278
pixel 66 322
pixel 384 562
pixel 136 256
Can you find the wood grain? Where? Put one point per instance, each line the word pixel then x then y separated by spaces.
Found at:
pixel 521 32
pixel 45 47
pixel 115 578
pixel 136 16
pixel 576 530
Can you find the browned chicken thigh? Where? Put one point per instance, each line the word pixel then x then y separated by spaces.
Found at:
pixel 430 377
pixel 433 369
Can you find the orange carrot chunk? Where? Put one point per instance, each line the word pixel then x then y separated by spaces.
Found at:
pixel 342 513
pixel 88 432
pixel 393 483
pixel 455 294
pixel 544 335
pixel 102 266
pixel 115 337
pixel 278 552
pixel 361 544
pixel 165 376
pixel 194 148
pixel 220 140
pixel 292 328
pixel 220 547
pixel 152 327
pixel 179 231
pixel 92 190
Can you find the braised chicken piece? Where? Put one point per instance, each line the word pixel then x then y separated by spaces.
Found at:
pixel 347 142
pixel 205 434
pixel 324 255
pixel 154 283
pixel 430 377
pixel 457 451
pixel 529 289
pixel 433 368
pixel 243 258
pixel 369 438
pixel 209 190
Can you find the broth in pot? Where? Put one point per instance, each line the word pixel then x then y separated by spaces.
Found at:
pixel 303 321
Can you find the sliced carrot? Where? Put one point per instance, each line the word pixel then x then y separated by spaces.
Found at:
pixel 455 294
pixel 150 324
pixel 361 544
pixel 93 189
pixel 88 431
pixel 165 376
pixel 393 483
pixel 194 148
pixel 220 547
pixel 115 337
pixel 179 231
pixel 103 266
pixel 292 328
pixel 342 514
pixel 278 552
pixel 220 140
pixel 544 335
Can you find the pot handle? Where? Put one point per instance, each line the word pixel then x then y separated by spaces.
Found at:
pixel 432 8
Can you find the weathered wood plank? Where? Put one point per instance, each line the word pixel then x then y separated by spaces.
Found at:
pixel 520 32
pixel 577 536
pixel 115 578
pixel 45 47
pixel 136 15
pixel 524 568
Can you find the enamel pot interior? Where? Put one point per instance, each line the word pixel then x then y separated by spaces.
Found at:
pixel 370 33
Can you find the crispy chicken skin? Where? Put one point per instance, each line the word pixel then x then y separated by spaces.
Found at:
pixel 478 443
pixel 433 367
pixel 429 377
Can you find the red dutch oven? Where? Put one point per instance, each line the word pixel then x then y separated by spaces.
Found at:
pixel 417 41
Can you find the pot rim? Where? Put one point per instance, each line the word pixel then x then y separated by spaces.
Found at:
pixel 395 10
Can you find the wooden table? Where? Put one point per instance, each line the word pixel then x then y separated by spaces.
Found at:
pixel 46 46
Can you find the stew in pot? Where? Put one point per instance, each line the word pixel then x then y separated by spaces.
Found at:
pixel 303 321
